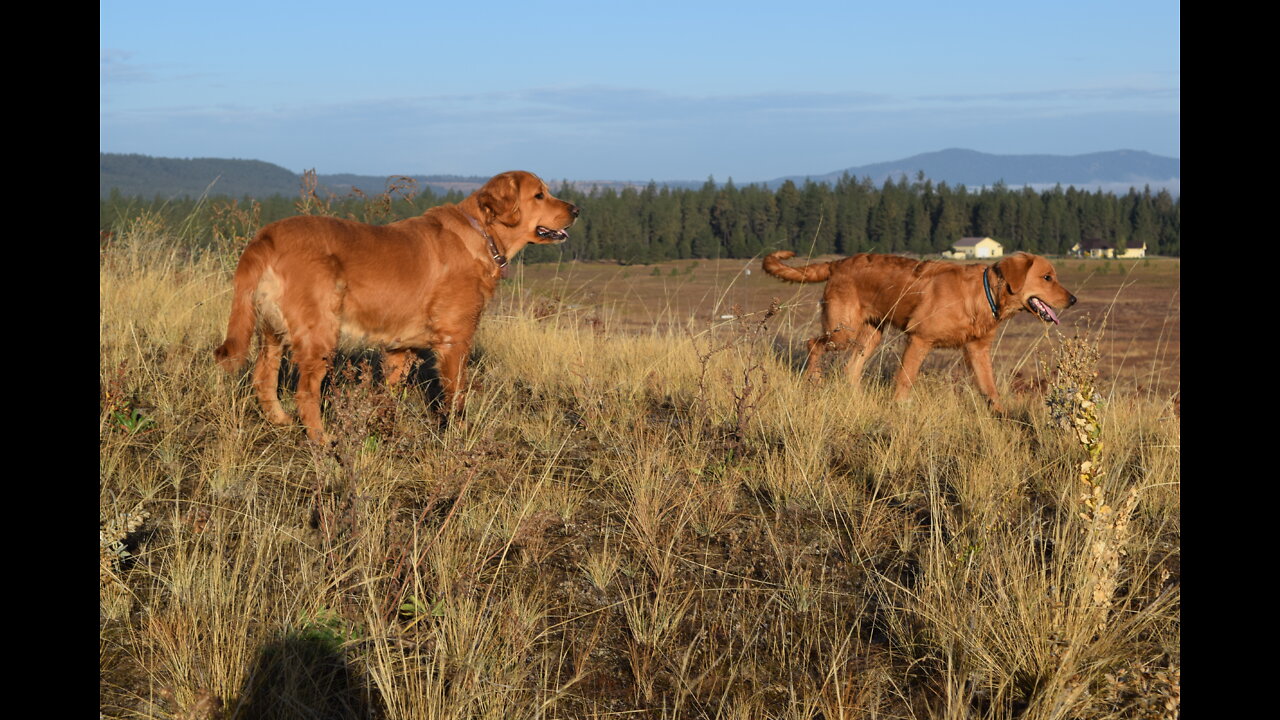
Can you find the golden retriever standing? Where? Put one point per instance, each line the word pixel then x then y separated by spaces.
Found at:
pixel 937 304
pixel 414 284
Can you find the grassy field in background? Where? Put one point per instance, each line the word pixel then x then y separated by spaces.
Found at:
pixel 647 513
pixel 1131 306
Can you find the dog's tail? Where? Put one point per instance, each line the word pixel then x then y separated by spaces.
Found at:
pixel 817 272
pixel 232 353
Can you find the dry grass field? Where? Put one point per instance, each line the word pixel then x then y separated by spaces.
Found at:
pixel 646 513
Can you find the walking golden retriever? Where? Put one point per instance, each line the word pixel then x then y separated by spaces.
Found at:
pixel 937 304
pixel 409 285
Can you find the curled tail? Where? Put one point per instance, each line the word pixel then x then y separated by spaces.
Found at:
pixel 232 353
pixel 817 272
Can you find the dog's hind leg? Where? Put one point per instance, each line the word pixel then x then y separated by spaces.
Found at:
pixel 863 345
pixel 312 319
pixel 817 347
pixel 266 375
pixel 912 358
pixel 313 362
pixel 841 320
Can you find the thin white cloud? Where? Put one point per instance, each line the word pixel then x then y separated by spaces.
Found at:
pixel 1072 95
pixel 585 131
pixel 116 66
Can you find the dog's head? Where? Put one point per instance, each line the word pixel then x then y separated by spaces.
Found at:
pixel 1033 283
pixel 521 201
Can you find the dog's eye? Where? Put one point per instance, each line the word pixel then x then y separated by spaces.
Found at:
pixel 538 196
pixel 1049 278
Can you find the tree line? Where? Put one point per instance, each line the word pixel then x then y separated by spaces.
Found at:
pixel 655 224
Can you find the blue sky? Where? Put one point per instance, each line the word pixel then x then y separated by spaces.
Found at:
pixel 634 90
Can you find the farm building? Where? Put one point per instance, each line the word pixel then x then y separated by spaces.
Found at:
pixel 1095 247
pixel 975 247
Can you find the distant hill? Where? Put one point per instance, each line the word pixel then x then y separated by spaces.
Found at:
pixel 145 176
pixel 1114 171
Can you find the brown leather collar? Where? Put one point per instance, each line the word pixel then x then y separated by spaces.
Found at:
pixel 494 252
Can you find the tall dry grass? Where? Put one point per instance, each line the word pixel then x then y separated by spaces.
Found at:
pixel 665 525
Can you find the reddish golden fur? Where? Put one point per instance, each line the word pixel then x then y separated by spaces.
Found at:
pixel 414 284
pixel 937 304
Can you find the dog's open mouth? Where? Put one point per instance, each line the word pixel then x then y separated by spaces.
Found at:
pixel 547 233
pixel 1044 310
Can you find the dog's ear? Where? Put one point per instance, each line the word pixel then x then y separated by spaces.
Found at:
pixel 500 200
pixel 1014 270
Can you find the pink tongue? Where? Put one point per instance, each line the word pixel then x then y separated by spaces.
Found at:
pixel 1045 306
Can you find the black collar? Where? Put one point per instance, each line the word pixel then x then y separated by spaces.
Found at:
pixel 987 287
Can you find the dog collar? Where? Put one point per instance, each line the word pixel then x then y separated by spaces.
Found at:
pixel 494 253
pixel 987 288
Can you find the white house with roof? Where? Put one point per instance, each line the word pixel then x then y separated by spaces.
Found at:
pixel 975 247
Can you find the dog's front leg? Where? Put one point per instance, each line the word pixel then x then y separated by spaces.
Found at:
pixel 978 356
pixel 451 360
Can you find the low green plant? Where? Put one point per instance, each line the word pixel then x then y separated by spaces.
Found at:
pixel 132 421
pixel 414 609
pixel 327 629
pixel 120 403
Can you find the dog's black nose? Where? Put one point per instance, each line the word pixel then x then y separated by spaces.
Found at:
pixel 574 210
pixel 1072 301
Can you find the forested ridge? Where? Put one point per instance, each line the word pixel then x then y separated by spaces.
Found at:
pixel 654 224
